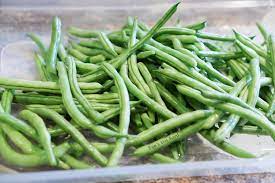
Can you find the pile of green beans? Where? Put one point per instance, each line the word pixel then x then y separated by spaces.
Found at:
pixel 137 91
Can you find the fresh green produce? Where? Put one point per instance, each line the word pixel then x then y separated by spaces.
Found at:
pixel 136 92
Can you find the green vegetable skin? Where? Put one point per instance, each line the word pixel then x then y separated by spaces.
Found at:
pixel 140 91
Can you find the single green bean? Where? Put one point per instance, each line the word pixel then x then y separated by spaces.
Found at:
pixel 145 54
pixel 220 55
pixel 228 147
pixel 36 39
pixel 210 36
pixel 54 45
pixel 263 31
pixel 197 26
pixel 74 163
pixel 40 65
pixel 160 158
pixel 43 86
pixel 174 31
pixel 124 117
pixel 107 45
pixel 271 49
pixel 92 113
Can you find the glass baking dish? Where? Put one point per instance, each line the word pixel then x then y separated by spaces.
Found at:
pixel 20 17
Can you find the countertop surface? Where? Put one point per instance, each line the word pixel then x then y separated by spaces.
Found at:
pixel 239 178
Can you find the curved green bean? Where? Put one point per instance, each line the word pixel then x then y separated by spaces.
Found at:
pixel 124 117
pixel 92 113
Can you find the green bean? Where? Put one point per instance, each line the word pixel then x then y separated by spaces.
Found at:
pixel 143 97
pixel 169 125
pixel 185 39
pixel 118 61
pixel 146 120
pixel 111 113
pixel 249 43
pixel 91 44
pixel 72 108
pixel 124 117
pixel 18 124
pixel 70 129
pixel 43 134
pixel 85 67
pixel 254 118
pixel 160 158
pixel 263 31
pixel 254 87
pixel 271 49
pixel 149 80
pixel 166 141
pixel 92 113
pixel 39 44
pixel 136 76
pixel 228 147
pixel 90 51
pixel 197 26
pixel 113 126
pixel 54 45
pixel 32 98
pixel 78 55
pixel 62 52
pixel 145 54
pixel 211 46
pixel 43 86
pixel 74 163
pixel 227 127
pixel 174 31
pixel 28 160
pixel 104 96
pixel 107 45
pixel 174 151
pixel 82 33
pixel 137 120
pixel 247 129
pixel 220 55
pixel 98 45
pixel 132 63
pixel 171 99
pixel 6 100
pixel 101 147
pixel 40 65
pixel 204 35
